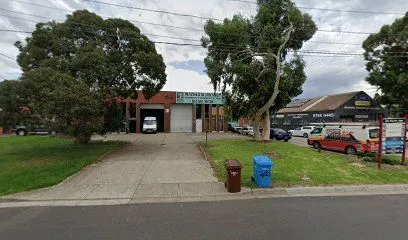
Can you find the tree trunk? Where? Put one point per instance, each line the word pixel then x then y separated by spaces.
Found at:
pixel 257 134
pixel 263 112
pixel 266 125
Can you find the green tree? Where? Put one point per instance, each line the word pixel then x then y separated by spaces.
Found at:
pixel 248 59
pixel 83 63
pixel 386 53
pixel 11 104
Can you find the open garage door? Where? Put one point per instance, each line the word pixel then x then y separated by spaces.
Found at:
pixel 153 110
pixel 181 118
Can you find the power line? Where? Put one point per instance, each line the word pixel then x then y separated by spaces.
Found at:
pixel 4 55
pixel 229 48
pixel 330 9
pixel 186 28
pixel 157 35
pixel 156 11
pixel 14 31
pixel 149 34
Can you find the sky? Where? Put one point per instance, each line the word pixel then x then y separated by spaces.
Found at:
pixel 185 70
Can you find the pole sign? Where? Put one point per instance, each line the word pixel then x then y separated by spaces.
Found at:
pixel 199 98
pixel 393 135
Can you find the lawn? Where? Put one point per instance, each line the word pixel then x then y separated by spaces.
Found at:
pixel 39 161
pixel 296 165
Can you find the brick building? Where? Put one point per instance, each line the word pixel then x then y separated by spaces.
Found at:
pixel 177 112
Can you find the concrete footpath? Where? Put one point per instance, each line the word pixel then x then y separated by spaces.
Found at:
pixel 163 168
pixel 151 166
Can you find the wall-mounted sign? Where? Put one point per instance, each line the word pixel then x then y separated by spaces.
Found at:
pixel 298 115
pixel 323 115
pixel 199 98
pixel 361 116
pixel 362 101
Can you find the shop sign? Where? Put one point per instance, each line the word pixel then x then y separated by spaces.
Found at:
pixel 361 116
pixel 277 116
pixel 323 115
pixel 362 101
pixel 199 98
pixel 298 115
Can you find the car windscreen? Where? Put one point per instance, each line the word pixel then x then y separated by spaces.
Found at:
pixel 149 122
pixel 316 131
pixel 279 130
pixel 373 133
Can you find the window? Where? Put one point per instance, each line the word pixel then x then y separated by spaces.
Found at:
pixel 317 131
pixel 307 128
pixel 206 108
pixel 287 122
pixel 198 111
pixel 373 133
pixel 132 110
pixel 274 122
pixel 149 122
pixel 299 128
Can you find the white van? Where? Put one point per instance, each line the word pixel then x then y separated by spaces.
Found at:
pixel 150 125
pixel 346 137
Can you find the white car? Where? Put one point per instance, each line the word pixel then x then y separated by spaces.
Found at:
pixel 150 125
pixel 302 131
pixel 247 131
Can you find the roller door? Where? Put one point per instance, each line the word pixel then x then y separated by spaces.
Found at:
pixel 181 118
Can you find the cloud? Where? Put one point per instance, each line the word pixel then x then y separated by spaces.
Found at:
pixel 193 65
pixel 186 80
pixel 326 75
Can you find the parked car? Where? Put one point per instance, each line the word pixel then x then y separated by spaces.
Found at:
pixel 34 129
pixel 232 127
pixel 150 125
pixel 302 131
pixel 237 129
pixel 247 131
pixel 349 139
pixel 279 134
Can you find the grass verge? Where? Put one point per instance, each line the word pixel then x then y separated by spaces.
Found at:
pixel 296 165
pixel 33 162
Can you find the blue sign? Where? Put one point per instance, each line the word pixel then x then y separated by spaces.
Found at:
pixel 393 145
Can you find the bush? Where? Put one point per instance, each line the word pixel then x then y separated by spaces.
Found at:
pixel 372 157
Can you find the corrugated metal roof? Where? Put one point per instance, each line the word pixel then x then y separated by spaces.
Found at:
pixel 324 103
pixel 307 103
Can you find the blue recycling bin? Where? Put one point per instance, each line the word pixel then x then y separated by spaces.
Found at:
pixel 262 171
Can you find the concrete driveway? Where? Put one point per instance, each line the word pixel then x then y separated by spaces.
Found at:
pixel 152 166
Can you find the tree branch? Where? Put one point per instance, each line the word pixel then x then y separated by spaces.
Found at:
pixel 262 72
pixel 275 93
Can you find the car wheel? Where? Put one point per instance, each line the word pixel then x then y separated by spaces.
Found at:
pixel 286 140
pixel 350 150
pixel 305 135
pixel 316 145
pixel 21 133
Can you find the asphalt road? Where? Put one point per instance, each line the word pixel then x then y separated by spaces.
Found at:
pixel 359 217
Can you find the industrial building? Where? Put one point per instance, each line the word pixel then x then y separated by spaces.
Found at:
pixel 177 112
pixel 345 107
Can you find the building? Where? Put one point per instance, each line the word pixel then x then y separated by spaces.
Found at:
pixel 177 112
pixel 345 107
